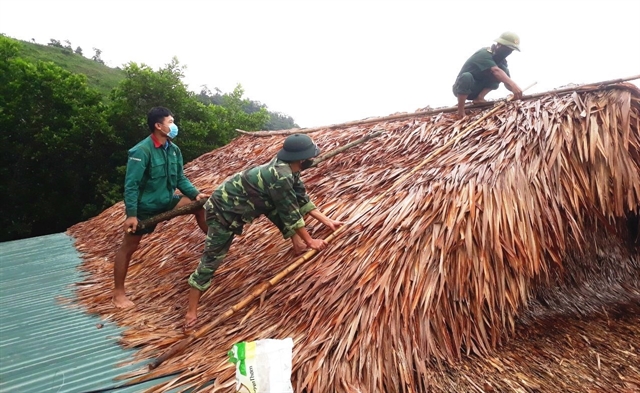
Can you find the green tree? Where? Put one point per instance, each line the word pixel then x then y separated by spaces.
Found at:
pixel 66 146
pixel 142 89
pixel 280 121
pixel 55 43
pixel 97 53
pixel 276 121
pixel 203 127
pixel 231 115
pixel 206 96
pixel 56 141
pixel 68 49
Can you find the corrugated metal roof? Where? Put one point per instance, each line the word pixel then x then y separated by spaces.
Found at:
pixel 46 346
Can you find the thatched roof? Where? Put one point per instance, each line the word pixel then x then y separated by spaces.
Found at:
pixel 502 261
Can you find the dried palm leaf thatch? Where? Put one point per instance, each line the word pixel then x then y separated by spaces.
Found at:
pixel 492 239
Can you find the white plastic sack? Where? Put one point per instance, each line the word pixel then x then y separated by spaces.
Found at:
pixel 263 366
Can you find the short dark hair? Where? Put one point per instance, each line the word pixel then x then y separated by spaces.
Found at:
pixel 157 115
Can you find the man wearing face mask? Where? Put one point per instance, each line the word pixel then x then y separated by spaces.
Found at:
pixel 273 189
pixel 154 172
pixel 485 70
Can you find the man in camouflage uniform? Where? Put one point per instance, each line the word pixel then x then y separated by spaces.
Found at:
pixel 273 189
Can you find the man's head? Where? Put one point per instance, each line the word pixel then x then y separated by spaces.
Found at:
pixel 298 147
pixel 160 118
pixel 505 44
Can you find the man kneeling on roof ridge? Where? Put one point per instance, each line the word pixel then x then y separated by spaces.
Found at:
pixel 485 70
pixel 273 189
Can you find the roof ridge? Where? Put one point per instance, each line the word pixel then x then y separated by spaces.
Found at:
pixel 571 89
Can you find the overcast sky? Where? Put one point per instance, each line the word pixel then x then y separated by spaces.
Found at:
pixel 332 61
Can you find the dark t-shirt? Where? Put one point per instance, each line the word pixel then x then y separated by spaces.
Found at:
pixel 479 65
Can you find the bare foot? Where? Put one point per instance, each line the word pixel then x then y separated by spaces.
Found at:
pixel 121 301
pixel 479 100
pixel 190 320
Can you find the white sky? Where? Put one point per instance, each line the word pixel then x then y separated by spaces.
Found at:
pixel 330 61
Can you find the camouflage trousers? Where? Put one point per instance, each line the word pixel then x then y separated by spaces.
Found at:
pixel 216 246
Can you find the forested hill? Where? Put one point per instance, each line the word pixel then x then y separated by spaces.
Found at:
pixel 89 62
pixel 99 76
pixel 68 121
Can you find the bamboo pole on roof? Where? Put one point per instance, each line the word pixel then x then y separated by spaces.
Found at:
pixel 432 112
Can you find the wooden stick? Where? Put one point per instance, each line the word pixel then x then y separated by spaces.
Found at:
pixel 585 87
pixel 349 145
pixel 257 292
pixel 186 209
pixel 194 206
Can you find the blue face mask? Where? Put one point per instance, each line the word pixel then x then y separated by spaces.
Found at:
pixel 173 131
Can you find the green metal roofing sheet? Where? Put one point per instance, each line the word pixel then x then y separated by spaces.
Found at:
pixel 46 346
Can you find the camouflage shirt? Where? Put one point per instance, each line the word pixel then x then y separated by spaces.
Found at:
pixel 270 189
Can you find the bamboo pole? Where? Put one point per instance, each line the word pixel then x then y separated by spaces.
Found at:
pixel 255 293
pixel 182 345
pixel 584 87
pixel 193 206
pixel 349 145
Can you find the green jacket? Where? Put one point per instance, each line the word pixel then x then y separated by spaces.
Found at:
pixel 270 189
pixel 153 174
